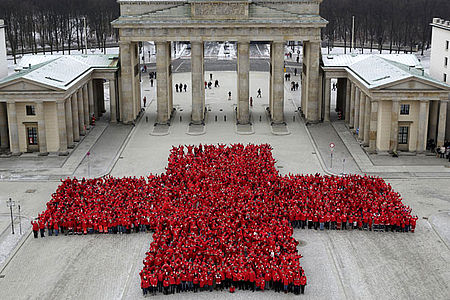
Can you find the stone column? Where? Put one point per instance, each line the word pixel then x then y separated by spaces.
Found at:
pixel 42 134
pixel 127 70
pixel 62 130
pixel 243 82
pixel 422 128
pixel 4 143
pixel 356 119
pixel 327 99
pixel 162 81
pixel 13 128
pixel 113 100
pixel 442 122
pixel 75 121
pixel 373 126
pixel 362 108
pixel 277 112
pixel 347 101
pixel 352 105
pixel 395 110
pixel 69 122
pixel 197 82
pixel 91 99
pixel 312 80
pixel 81 112
pixel 86 106
pixel 367 114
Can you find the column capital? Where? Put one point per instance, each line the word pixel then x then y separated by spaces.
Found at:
pixel 424 101
pixel 396 100
pixel 9 101
pixel 444 101
pixel 39 101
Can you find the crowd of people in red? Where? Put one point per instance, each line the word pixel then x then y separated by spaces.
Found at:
pixel 222 217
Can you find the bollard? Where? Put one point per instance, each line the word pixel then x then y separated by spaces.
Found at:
pixel 181 118
pixel 293 118
pixel 260 118
pixel 146 119
pixel 215 118
pixel 225 118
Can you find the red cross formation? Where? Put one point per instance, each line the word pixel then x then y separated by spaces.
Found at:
pixel 217 210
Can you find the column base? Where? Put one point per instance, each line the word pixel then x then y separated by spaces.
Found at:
pixel 63 153
pixel 16 153
pixel 113 121
pixel 43 154
pixel 82 133
pixel 71 146
pixel 76 141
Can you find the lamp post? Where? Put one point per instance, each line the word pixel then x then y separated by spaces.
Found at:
pixel 10 203
pixel 20 218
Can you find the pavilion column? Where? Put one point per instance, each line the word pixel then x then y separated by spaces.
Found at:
pixel 128 71
pixel 197 82
pixel 395 110
pixel 442 122
pixel 42 134
pixel 4 143
pixel 367 114
pixel 13 128
pixel 112 100
pixel 62 129
pixel 86 106
pixel 81 112
pixel 347 101
pixel 356 118
pixel 69 123
pixel 373 126
pixel 277 112
pixel 327 99
pixel 312 51
pixel 163 82
pixel 352 105
pixel 362 108
pixel 243 82
pixel 75 126
pixel 90 88
pixel 422 128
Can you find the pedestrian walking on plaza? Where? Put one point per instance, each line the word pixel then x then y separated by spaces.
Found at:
pixel 176 87
pixel 209 85
pixel 251 101
pixel 185 87
pixel 298 58
pixel 216 83
pixel 295 71
pixel 210 76
pixel 206 85
pixel 145 101
pixel 259 94
pixel 151 82
pixel 42 228
pixel 229 95
pixel 296 86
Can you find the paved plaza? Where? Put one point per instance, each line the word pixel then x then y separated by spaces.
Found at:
pixel 339 265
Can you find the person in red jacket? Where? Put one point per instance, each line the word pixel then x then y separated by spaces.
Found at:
pixel 42 228
pixel 35 228
pixel 302 283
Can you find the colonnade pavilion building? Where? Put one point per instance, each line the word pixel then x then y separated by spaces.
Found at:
pixel 48 106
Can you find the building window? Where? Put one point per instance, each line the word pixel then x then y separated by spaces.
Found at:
pixel 403 135
pixel 404 109
pixel 446 45
pixel 445 61
pixel 32 136
pixel 30 110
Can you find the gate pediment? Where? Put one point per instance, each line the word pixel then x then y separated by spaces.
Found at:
pixel 222 10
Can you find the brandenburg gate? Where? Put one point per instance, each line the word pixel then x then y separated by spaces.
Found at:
pixel 199 21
